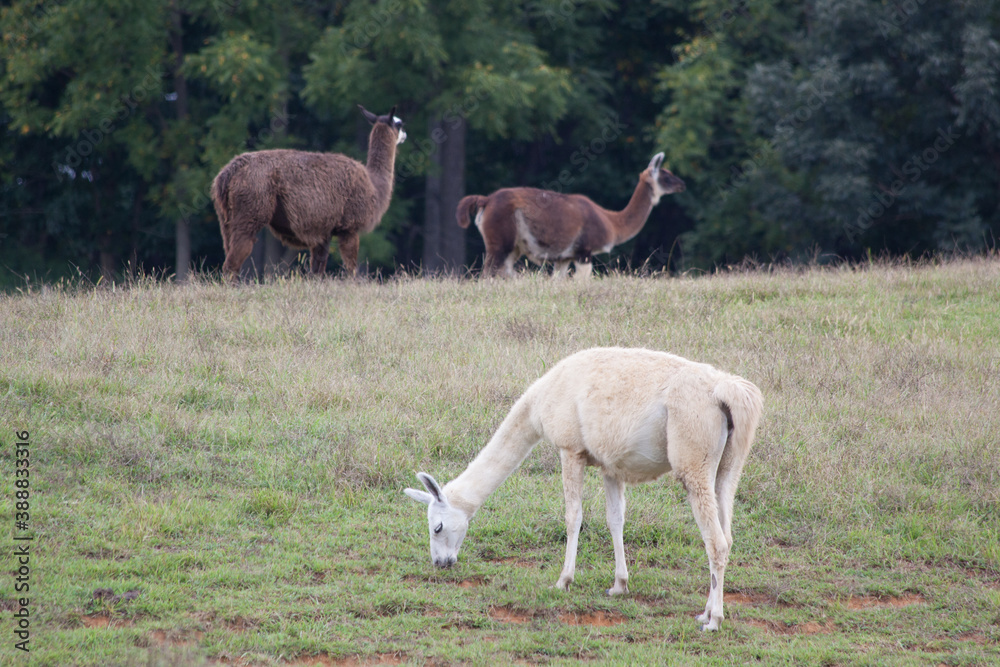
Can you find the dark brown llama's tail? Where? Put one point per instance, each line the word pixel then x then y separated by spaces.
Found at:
pixel 470 204
pixel 220 188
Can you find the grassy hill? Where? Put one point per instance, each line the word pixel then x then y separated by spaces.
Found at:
pixel 229 462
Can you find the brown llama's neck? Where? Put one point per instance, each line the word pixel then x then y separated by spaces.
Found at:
pixel 382 163
pixel 629 221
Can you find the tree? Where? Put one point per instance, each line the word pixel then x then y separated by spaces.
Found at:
pixel 144 102
pixel 871 126
pixel 84 93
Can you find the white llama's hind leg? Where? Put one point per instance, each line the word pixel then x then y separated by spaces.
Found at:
pixel 573 467
pixel 706 513
pixel 614 495
pixel 726 481
pixel 725 492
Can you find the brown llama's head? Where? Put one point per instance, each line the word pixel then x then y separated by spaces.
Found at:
pixel 390 119
pixel 661 180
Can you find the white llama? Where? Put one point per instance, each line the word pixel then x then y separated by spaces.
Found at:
pixel 634 413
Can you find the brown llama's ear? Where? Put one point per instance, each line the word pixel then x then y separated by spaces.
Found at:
pixel 392 113
pixel 368 115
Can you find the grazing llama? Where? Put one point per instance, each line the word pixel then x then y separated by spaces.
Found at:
pixel 306 199
pixel 634 413
pixel 555 227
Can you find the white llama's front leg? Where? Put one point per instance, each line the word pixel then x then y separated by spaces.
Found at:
pixel 573 467
pixel 614 494
pixel 561 269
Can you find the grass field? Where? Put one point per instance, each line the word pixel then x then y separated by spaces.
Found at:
pixel 229 462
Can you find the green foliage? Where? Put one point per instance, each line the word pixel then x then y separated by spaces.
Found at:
pixel 801 129
pixel 868 126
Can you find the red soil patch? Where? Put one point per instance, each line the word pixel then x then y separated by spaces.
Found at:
pixel 508 615
pixel 515 561
pixel 240 624
pixel 105 621
pixel 323 660
pixel 471 582
pixel 814 628
pixel 746 599
pixel 974 637
pixel 779 628
pixel 597 619
pixel 884 601
pixel 162 638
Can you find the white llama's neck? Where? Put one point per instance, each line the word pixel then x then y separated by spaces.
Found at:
pixel 501 456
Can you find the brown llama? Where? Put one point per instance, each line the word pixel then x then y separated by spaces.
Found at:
pixel 561 228
pixel 306 199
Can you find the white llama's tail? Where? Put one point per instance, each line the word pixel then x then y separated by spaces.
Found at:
pixel 741 401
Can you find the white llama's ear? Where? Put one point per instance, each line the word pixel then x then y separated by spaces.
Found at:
pixel 432 486
pixel 655 163
pixel 419 496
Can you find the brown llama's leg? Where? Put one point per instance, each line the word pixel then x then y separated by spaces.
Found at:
pixel 348 243
pixel 224 228
pixel 492 264
pixel 499 263
pixel 317 258
pixel 238 249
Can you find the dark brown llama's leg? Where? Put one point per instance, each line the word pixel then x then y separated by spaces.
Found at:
pixel 238 249
pixel 224 228
pixel 348 243
pixel 317 256
pixel 493 264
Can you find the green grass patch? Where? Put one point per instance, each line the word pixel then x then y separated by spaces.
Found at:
pixel 217 472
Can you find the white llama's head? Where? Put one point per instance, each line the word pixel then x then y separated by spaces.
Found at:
pixel 447 524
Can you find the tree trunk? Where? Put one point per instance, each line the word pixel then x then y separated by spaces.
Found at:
pixel 182 233
pixel 182 248
pixel 444 240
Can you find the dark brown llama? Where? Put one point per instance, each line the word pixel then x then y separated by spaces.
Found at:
pixel 555 227
pixel 306 199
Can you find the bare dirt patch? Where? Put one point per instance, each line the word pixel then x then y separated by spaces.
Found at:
pixel 165 638
pixel 470 582
pixel 322 660
pixel 240 624
pixel 508 615
pixel 596 619
pixel 516 562
pixel 747 599
pixel 781 628
pixel 884 601
pixel 106 621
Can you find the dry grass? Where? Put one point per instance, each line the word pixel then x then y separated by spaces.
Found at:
pixel 237 455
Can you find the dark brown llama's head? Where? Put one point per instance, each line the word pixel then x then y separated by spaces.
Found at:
pixel 390 120
pixel 662 181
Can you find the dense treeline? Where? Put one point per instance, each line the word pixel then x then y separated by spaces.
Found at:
pixel 803 129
